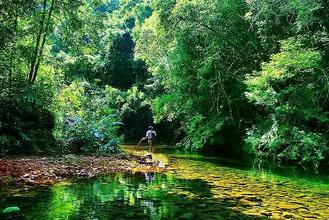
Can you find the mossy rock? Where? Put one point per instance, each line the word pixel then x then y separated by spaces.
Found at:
pixel 13 210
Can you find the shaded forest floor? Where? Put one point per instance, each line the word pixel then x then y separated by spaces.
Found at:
pixel 47 170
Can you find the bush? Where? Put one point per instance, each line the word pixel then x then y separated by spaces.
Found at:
pixel 86 123
pixel 25 123
pixel 291 90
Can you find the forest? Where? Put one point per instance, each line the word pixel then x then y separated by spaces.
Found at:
pixel 237 92
pixel 233 77
pixel 236 77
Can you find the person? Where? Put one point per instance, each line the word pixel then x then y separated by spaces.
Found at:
pixel 150 136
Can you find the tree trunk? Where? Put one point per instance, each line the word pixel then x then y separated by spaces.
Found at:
pixel 227 98
pixel 36 50
pixel 12 51
pixel 43 41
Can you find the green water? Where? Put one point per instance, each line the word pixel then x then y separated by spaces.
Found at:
pixel 195 187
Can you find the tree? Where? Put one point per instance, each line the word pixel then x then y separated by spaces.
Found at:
pixel 292 90
pixel 41 39
pixel 189 47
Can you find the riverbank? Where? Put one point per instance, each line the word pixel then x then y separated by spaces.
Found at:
pixel 48 170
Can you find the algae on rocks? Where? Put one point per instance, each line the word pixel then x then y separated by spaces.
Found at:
pixel 12 212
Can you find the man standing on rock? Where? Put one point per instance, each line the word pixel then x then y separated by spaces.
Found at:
pixel 150 136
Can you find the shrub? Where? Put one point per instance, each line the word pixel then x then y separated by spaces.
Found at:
pixel 291 90
pixel 86 123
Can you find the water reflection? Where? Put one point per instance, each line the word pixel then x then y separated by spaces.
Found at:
pixel 195 188
pixel 121 197
pixel 149 177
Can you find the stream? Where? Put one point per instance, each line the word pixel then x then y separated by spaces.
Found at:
pixel 195 187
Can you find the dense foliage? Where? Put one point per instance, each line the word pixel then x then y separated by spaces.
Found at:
pixel 233 76
pixel 190 51
pixel 62 60
pixel 242 73
pixel 292 89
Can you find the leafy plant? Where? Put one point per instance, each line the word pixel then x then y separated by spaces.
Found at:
pixel 85 121
pixel 291 89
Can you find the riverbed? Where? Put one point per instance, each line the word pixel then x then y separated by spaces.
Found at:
pixel 194 187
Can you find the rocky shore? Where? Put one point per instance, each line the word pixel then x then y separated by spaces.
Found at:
pixel 48 170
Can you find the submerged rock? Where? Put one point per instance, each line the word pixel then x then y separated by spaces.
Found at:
pixel 12 209
pixel 188 216
pixel 265 212
pixel 289 215
pixel 286 207
pixel 11 212
pixel 247 202
pixel 202 205
pixel 307 214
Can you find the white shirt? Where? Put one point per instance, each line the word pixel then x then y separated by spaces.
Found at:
pixel 149 134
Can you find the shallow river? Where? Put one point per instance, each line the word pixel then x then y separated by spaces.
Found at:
pixel 195 187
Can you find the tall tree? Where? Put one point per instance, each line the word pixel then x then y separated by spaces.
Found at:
pixel 41 39
pixel 190 49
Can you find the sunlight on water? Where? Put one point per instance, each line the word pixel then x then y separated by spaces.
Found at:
pixel 195 187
